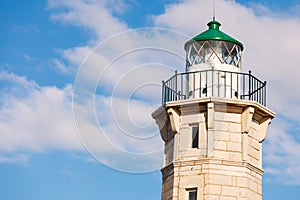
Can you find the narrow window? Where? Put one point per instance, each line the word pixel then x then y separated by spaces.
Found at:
pixel 192 194
pixel 195 137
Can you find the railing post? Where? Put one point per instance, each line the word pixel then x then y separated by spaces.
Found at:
pixel 212 82
pixel 176 95
pixel 163 92
pixel 231 84
pixel 194 84
pixel 265 93
pixel 250 84
pixel 225 82
pixel 206 82
pixel 200 83
pixel 244 87
pixel 219 74
pixel 238 85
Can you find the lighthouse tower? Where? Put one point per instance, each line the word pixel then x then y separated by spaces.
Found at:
pixel 213 120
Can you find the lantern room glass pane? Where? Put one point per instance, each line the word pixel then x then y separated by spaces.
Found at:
pixel 213 51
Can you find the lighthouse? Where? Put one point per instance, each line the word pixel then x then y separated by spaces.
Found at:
pixel 213 120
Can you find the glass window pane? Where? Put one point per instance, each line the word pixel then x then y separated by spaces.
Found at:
pixel 193 195
pixel 195 137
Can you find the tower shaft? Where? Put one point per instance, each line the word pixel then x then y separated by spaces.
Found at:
pixel 213 148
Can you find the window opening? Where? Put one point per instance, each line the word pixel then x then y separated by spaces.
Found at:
pixel 195 137
pixel 192 194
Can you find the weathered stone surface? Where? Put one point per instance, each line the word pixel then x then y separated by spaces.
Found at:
pixel 227 163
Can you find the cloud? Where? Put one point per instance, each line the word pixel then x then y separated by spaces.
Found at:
pixel 20 159
pixel 27 57
pixel 35 118
pixel 281 152
pixel 94 15
pixel 58 64
pixel 40 119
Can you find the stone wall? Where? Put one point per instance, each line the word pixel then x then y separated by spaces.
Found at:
pixel 227 165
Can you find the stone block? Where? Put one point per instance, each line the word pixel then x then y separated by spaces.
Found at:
pixel 230 190
pixel 254 143
pixel 254 195
pixel 222 126
pixel 228 198
pixel 229 117
pixel 221 154
pixel 234 180
pixel 253 186
pixel 185 140
pixel 191 181
pixel 259 189
pixel 256 176
pixel 189 171
pixel 233 146
pixel 242 193
pixel 220 145
pixel 242 182
pixel 212 189
pixel 217 179
pixel 235 128
pixel 211 197
pixel 221 136
pixel 236 156
pixel 254 153
pixel 236 137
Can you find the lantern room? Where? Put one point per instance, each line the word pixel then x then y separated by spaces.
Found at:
pixel 213 48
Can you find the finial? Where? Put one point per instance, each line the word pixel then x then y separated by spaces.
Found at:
pixel 214 10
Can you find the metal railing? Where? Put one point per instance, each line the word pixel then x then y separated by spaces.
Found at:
pixel 216 83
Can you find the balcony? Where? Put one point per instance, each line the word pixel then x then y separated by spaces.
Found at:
pixel 214 83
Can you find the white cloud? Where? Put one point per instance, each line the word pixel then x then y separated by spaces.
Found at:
pixel 40 119
pixel 27 57
pixel 35 118
pixel 281 152
pixel 58 64
pixel 94 15
pixel 20 159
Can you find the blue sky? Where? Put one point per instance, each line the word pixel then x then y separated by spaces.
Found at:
pixel 45 56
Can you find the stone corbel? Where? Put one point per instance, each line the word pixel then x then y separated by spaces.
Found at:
pixel 263 128
pixel 161 119
pixel 174 116
pixel 247 116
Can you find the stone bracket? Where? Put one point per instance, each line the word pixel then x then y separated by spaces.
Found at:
pixel 174 116
pixel 161 119
pixel 247 116
pixel 263 128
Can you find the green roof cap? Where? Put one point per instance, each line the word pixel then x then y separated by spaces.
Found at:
pixel 213 33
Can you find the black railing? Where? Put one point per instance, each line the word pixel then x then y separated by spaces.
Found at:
pixel 215 83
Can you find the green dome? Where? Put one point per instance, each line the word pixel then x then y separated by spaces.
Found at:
pixel 213 33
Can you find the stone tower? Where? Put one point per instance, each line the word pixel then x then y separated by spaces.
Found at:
pixel 213 120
